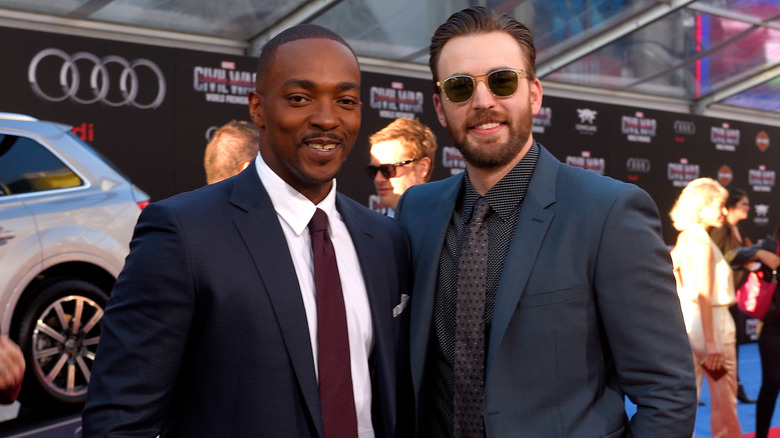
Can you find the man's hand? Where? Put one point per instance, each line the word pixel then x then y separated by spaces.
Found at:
pixel 11 370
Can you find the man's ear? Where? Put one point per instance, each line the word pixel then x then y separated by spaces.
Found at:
pixel 256 109
pixel 437 103
pixel 535 95
pixel 425 168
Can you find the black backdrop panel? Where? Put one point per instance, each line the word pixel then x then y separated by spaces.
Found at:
pixel 151 109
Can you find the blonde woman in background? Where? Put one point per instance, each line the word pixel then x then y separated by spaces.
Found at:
pixel 706 291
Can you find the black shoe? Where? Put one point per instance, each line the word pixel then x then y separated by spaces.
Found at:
pixel 742 396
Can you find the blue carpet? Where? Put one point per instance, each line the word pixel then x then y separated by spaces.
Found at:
pixel 750 376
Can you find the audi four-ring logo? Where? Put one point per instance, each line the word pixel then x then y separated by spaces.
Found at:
pixel 639 165
pixel 100 82
pixel 684 127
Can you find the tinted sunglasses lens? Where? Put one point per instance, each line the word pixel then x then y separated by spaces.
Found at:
pixel 459 88
pixel 503 83
pixel 387 170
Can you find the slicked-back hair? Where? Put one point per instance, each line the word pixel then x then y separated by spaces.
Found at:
pixel 295 33
pixel 417 138
pixel 479 20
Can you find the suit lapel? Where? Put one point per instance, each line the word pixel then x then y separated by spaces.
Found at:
pixel 427 249
pixel 532 225
pixel 263 235
pixel 373 261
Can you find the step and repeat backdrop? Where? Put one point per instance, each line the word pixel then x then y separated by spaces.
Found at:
pixel 151 111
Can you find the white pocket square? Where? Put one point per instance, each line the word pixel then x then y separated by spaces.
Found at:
pixel 397 310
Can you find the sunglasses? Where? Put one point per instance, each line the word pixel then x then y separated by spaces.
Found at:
pixel 502 83
pixel 388 170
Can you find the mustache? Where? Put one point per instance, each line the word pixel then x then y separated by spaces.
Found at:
pixel 319 135
pixel 482 115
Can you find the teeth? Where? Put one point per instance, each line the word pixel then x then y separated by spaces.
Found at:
pixel 322 147
pixel 487 125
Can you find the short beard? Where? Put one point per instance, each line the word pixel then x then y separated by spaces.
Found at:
pixel 495 155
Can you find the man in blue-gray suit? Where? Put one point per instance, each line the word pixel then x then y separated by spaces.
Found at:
pixel 577 303
pixel 212 327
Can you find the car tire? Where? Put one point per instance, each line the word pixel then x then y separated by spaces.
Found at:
pixel 58 335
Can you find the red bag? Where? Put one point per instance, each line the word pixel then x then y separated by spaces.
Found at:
pixel 755 296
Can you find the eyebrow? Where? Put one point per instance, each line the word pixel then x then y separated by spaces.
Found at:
pixel 309 85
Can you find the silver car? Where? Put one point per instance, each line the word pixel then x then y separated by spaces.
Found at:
pixel 66 220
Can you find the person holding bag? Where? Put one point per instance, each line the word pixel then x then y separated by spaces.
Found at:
pixel 706 290
pixel 765 253
pixel 728 236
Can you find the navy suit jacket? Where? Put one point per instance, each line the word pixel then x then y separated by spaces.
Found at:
pixel 205 333
pixel 586 310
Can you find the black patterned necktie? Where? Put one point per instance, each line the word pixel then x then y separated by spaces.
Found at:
pixel 469 359
pixel 335 375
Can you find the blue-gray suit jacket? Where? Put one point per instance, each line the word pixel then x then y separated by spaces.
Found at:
pixel 205 333
pixel 586 310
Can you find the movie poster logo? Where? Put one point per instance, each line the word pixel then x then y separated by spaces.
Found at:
pixel 762 214
pixel 452 159
pixel 637 128
pixel 724 137
pixel 682 129
pixel 396 101
pixel 223 84
pixel 761 179
pixel 542 120
pixel 762 141
pixel 587 162
pixel 725 175
pixel 587 118
pixel 680 174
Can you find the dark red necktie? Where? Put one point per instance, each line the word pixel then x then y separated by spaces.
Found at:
pixel 336 398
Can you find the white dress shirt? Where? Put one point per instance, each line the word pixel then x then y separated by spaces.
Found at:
pixel 294 212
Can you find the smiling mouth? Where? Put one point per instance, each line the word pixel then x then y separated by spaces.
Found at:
pixel 324 147
pixel 487 125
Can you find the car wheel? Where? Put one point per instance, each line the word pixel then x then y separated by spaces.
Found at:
pixel 59 336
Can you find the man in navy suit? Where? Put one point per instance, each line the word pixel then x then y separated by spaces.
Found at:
pixel 579 307
pixel 211 329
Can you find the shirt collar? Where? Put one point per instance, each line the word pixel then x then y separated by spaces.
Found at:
pixel 294 208
pixel 509 192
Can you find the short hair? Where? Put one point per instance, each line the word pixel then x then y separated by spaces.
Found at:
pixel 416 137
pixel 697 195
pixel 232 145
pixel 295 33
pixel 477 20
pixel 735 195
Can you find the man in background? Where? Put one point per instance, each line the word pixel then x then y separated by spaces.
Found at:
pixel 231 149
pixel 402 155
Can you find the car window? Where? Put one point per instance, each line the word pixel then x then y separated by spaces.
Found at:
pixel 27 166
